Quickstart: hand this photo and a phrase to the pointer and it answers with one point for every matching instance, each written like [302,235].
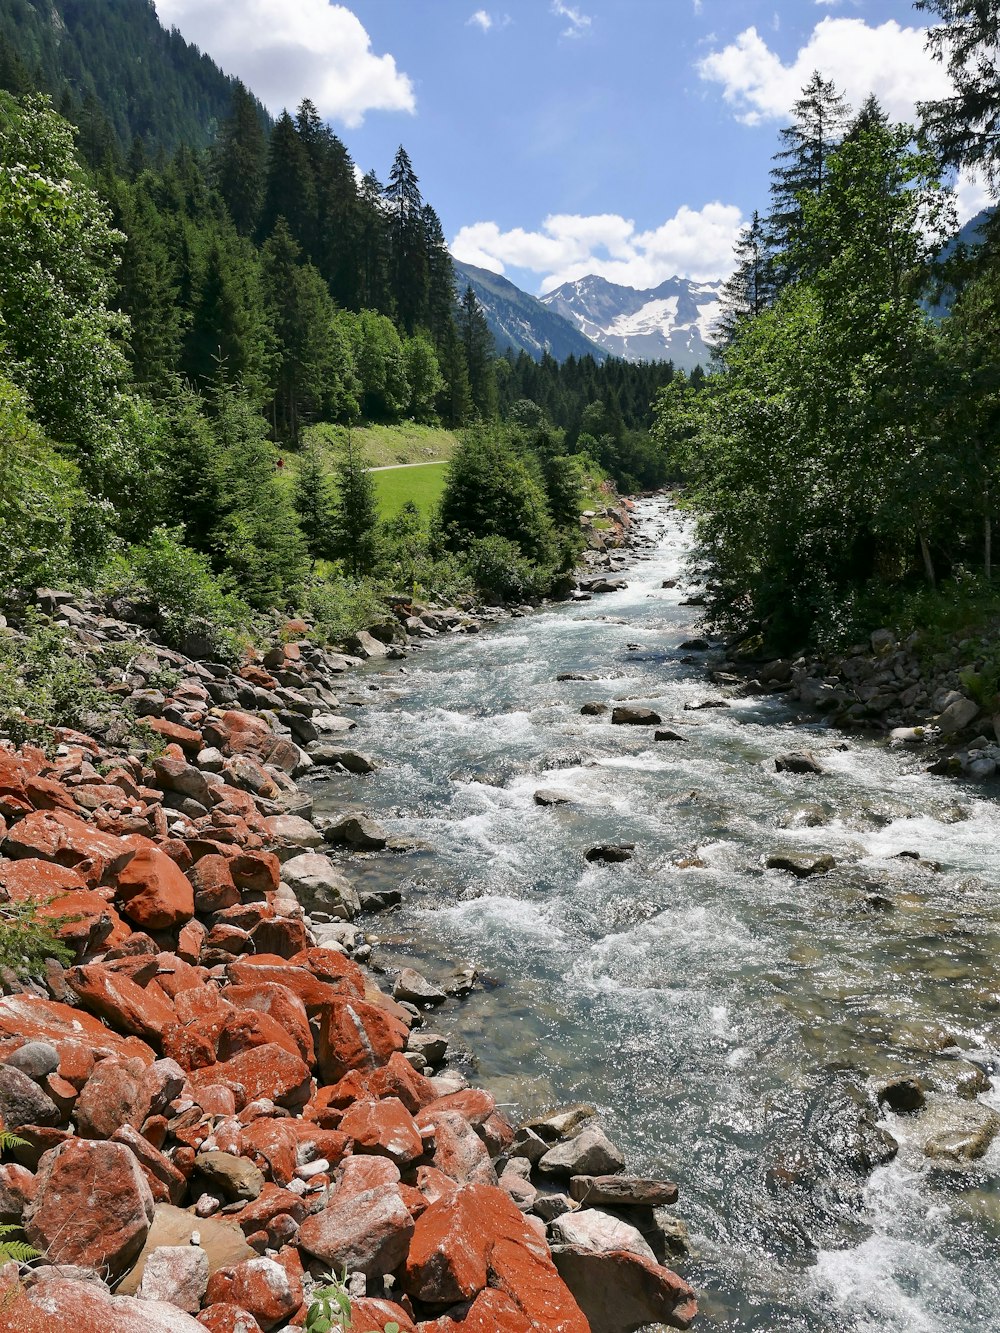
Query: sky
[557,138]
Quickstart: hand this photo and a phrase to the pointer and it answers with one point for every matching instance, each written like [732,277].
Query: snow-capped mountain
[520,321]
[672,322]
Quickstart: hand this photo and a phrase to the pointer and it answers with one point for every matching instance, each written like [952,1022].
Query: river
[730,1022]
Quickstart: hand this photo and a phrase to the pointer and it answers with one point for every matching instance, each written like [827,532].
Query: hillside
[522,322]
[671,322]
[113,69]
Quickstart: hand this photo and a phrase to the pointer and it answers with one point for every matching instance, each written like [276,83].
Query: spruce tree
[290,191]
[440,277]
[355,517]
[477,344]
[316,504]
[750,289]
[407,243]
[373,248]
[241,162]
[965,128]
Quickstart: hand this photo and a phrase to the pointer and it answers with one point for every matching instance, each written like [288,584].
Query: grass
[390,446]
[423,485]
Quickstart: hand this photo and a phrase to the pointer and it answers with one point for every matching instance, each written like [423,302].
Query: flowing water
[729,1021]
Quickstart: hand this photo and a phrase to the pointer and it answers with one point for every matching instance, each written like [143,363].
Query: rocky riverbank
[216,1105]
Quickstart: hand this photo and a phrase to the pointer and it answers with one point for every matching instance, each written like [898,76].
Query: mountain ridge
[520,321]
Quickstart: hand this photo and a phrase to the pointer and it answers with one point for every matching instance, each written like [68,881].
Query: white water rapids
[729,1021]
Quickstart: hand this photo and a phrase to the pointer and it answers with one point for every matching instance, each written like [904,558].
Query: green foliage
[28,940]
[354,530]
[340,606]
[381,366]
[424,376]
[490,492]
[498,569]
[45,682]
[330,1309]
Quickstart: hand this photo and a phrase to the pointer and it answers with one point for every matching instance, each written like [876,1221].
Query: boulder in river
[902,1095]
[961,1131]
[590,1153]
[622,1191]
[627,715]
[801,866]
[552,796]
[611,853]
[416,989]
[798,761]
[352,760]
[667,735]
[593,709]
[358,831]
[621,1292]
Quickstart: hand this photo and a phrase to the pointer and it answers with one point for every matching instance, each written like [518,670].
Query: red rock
[239,733]
[243,1029]
[85,919]
[336,968]
[490,1312]
[31,1019]
[33,880]
[458,1150]
[271,1145]
[620,1291]
[17,1189]
[314,1142]
[355,1035]
[474,1105]
[224,1317]
[285,935]
[113,1095]
[266,1071]
[367,1232]
[256,872]
[186,737]
[281,1004]
[259,1286]
[385,1128]
[47,794]
[120,1002]
[399,1079]
[478,1238]
[434,1184]
[152,889]
[313,993]
[68,841]
[371,1316]
[214,886]
[273,1201]
[92,1206]
[60,1304]
[166,1183]
[355,1175]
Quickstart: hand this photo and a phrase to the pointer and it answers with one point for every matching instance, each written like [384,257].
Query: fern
[18,1251]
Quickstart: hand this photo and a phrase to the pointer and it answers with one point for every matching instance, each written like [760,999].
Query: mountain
[672,322]
[115,71]
[521,321]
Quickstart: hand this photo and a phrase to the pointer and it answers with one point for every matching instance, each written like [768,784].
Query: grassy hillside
[388,446]
[423,485]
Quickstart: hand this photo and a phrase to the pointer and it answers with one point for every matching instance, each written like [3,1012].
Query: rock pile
[217,1106]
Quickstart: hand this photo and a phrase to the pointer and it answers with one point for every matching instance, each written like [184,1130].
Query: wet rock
[359,831]
[666,734]
[622,1293]
[798,761]
[351,760]
[594,709]
[176,1275]
[706,704]
[106,1234]
[552,796]
[411,986]
[957,716]
[960,1131]
[610,853]
[802,867]
[317,882]
[430,1046]
[902,1095]
[628,715]
[562,1123]
[622,1191]
[590,1153]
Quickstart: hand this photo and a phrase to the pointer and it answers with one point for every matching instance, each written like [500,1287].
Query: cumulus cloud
[971,196]
[285,52]
[694,243]
[579,23]
[889,60]
[486,21]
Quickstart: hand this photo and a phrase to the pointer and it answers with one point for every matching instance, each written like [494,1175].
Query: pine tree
[821,117]
[407,248]
[965,128]
[336,241]
[241,162]
[316,505]
[355,519]
[440,277]
[477,344]
[373,248]
[290,191]
[750,289]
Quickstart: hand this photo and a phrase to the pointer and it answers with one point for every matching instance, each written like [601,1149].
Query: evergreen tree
[241,162]
[750,289]
[477,344]
[230,334]
[354,529]
[407,243]
[316,505]
[290,191]
[440,278]
[965,128]
[455,399]
[373,248]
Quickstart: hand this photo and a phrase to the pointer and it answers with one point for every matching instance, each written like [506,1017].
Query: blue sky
[560,137]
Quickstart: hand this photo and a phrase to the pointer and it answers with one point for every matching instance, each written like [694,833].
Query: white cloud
[694,243]
[286,51]
[480,19]
[889,60]
[579,23]
[971,196]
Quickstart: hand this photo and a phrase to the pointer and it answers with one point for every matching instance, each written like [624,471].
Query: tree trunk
[925,551]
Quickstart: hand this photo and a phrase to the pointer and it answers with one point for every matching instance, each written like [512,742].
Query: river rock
[627,715]
[590,1153]
[595,1230]
[611,853]
[594,709]
[367,1232]
[902,1095]
[316,882]
[621,1292]
[358,831]
[801,866]
[552,796]
[961,1131]
[292,834]
[666,734]
[430,1046]
[353,760]
[622,1191]
[562,1123]
[176,1275]
[222,1241]
[798,761]
[22,1101]
[957,716]
[410,985]
[236,1177]
[807,815]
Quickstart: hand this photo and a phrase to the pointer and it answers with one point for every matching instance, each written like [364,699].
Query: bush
[339,607]
[43,684]
[27,942]
[498,569]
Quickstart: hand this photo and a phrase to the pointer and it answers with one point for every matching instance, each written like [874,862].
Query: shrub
[44,684]
[498,569]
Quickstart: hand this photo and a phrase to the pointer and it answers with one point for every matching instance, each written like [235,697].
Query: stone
[224,1317]
[260,1286]
[358,831]
[317,883]
[177,776]
[957,716]
[264,1071]
[357,1035]
[292,834]
[666,734]
[798,761]
[622,1191]
[902,1095]
[120,1002]
[477,1238]
[609,854]
[68,841]
[59,1303]
[236,1177]
[22,1101]
[383,1127]
[630,716]
[34,1058]
[551,796]
[92,1206]
[353,760]
[152,891]
[962,1131]
[372,1315]
[411,986]
[599,1232]
[430,1046]
[367,1233]
[459,1152]
[176,1275]
[802,867]
[167,1184]
[620,1292]
[563,1122]
[25,1017]
[221,1240]
[590,1153]
[113,1095]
